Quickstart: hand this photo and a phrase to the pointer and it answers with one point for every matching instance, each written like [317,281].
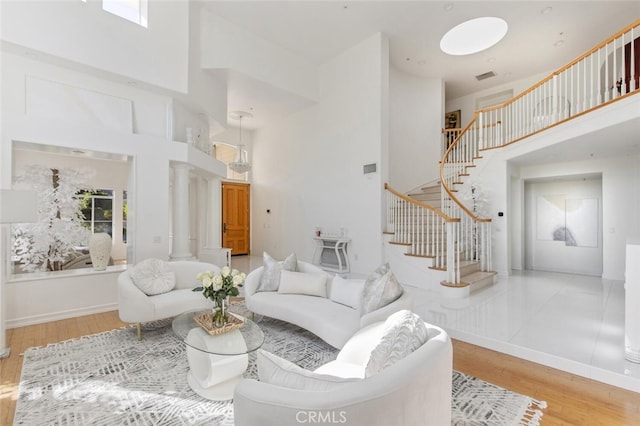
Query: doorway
[235,217]
[563,225]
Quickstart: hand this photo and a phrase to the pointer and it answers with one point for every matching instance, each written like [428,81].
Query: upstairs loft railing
[607,73]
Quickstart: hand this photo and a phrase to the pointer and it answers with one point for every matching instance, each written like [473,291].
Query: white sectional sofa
[415,390]
[333,322]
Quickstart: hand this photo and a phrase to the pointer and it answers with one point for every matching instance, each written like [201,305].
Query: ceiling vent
[486,75]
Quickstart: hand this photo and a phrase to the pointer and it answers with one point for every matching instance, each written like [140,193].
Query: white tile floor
[573,323]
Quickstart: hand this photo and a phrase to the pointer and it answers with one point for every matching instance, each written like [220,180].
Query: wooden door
[235,217]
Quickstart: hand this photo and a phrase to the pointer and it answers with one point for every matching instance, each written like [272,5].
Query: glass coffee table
[216,362]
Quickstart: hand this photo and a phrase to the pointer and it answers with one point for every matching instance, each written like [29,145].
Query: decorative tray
[205,320]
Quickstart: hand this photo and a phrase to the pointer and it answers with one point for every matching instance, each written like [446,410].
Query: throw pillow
[302,283]
[380,289]
[280,372]
[404,332]
[347,292]
[270,279]
[153,276]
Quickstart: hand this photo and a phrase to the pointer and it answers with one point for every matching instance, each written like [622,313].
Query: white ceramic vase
[100,250]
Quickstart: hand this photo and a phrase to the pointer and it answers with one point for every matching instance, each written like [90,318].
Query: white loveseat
[416,390]
[333,322]
[135,306]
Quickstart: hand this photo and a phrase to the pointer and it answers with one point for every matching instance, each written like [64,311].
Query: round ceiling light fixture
[473,36]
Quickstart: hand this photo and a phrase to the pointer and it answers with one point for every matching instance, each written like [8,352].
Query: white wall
[227,46]
[545,254]
[620,202]
[149,152]
[62,123]
[68,294]
[148,110]
[415,111]
[308,167]
[620,197]
[157,54]
[467,104]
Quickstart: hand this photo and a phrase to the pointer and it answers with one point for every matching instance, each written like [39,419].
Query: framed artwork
[452,120]
[574,221]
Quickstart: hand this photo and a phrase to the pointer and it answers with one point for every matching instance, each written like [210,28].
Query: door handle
[224,228]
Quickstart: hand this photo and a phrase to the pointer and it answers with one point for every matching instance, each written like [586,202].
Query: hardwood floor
[571,400]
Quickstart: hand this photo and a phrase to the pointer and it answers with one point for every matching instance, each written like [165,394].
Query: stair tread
[477,276]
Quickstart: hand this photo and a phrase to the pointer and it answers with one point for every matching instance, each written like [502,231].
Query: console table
[332,253]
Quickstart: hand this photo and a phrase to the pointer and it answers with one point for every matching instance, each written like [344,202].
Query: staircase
[431,195]
[417,246]
[434,237]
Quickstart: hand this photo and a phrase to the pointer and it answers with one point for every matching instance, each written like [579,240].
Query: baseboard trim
[60,315]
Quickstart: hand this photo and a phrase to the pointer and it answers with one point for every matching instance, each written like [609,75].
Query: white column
[214,213]
[180,243]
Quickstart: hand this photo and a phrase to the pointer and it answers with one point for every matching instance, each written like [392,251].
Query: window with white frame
[227,154]
[131,10]
[97,209]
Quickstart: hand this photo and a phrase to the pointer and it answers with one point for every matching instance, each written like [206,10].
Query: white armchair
[135,306]
[416,390]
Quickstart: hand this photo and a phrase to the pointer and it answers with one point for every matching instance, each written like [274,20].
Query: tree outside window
[97,210]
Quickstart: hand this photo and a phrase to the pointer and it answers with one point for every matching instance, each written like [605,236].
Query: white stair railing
[602,75]
[425,230]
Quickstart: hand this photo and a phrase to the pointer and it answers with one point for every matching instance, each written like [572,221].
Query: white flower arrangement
[220,286]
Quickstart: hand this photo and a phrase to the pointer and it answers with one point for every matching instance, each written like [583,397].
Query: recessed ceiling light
[448,7]
[547,10]
[473,36]
[558,43]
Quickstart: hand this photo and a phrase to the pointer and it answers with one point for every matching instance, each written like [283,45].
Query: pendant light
[240,164]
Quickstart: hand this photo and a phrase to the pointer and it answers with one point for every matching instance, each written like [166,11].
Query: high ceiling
[539,39]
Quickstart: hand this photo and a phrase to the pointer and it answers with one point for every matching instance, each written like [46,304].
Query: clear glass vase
[220,315]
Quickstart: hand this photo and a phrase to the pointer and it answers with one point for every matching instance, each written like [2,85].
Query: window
[131,10]
[97,209]
[227,154]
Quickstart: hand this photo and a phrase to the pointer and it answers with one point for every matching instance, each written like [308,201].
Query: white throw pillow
[270,278]
[302,283]
[347,292]
[404,332]
[280,372]
[380,289]
[153,276]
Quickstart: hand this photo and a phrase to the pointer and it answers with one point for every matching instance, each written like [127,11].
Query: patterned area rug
[112,378]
